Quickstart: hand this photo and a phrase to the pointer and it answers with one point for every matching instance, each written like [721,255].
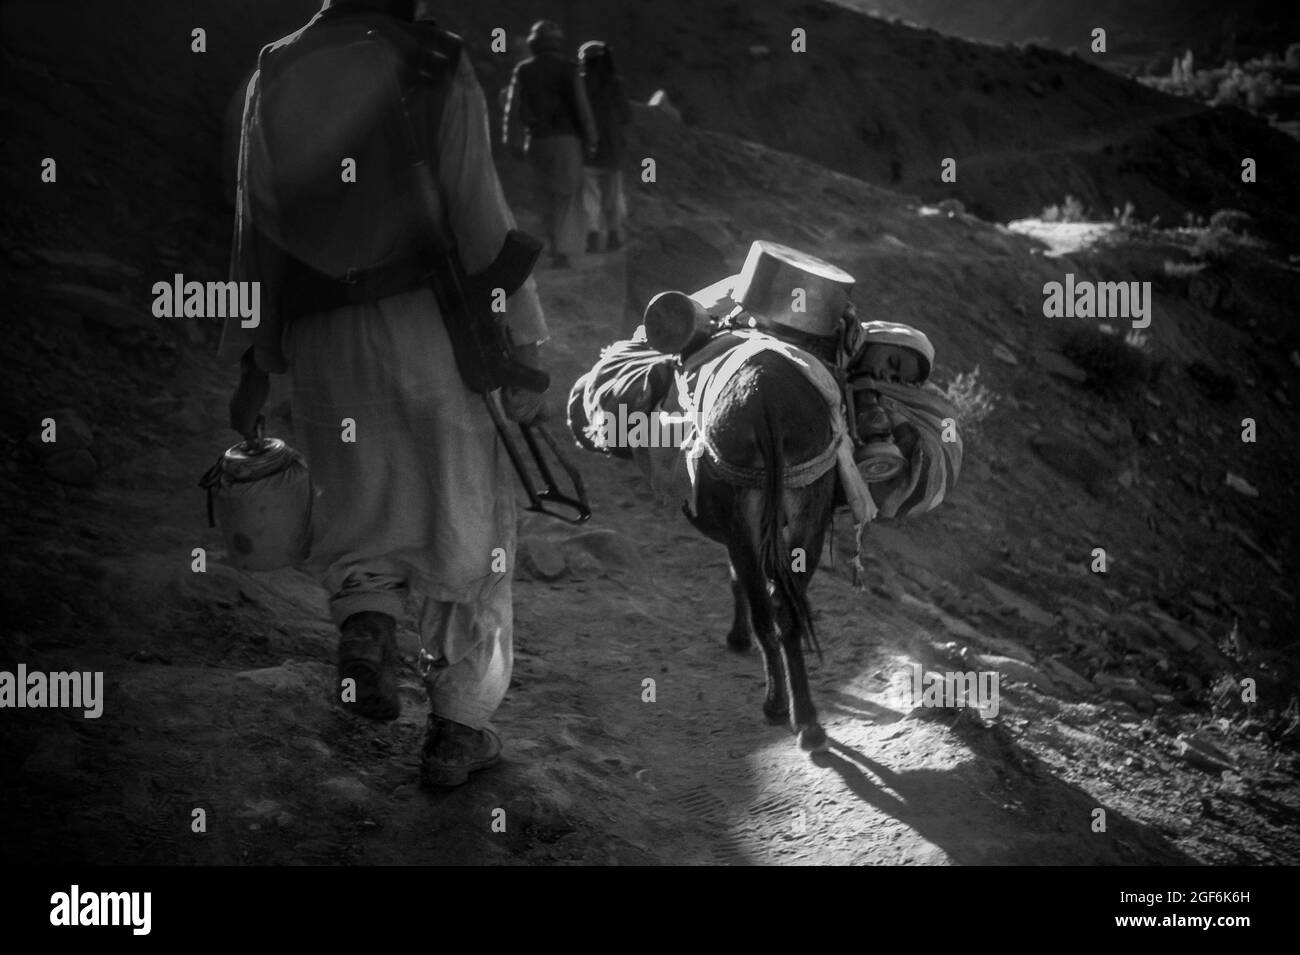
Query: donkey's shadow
[1049,822]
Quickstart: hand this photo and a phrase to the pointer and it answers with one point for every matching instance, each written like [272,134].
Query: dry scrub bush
[971,400]
[1071,210]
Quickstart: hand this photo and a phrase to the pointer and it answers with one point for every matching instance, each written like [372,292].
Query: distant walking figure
[547,100]
[602,197]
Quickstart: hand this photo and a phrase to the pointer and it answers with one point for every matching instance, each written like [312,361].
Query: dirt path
[224,705]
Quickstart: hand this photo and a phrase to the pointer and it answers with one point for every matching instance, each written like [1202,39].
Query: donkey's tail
[774,554]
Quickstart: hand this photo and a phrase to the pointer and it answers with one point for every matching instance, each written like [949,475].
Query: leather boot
[453,750]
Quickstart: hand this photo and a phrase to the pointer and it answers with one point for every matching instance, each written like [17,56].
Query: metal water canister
[876,455]
[675,323]
[259,494]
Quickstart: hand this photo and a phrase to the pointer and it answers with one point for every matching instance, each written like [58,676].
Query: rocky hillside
[1138,32]
[880,101]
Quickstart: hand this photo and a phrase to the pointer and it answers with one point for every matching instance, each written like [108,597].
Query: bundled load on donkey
[759,403]
[661,381]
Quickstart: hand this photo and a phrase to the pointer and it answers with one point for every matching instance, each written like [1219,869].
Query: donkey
[768,417]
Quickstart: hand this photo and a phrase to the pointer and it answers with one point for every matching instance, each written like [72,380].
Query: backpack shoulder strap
[433,60]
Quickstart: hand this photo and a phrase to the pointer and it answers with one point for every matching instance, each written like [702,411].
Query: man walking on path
[414,490]
[548,103]
[603,202]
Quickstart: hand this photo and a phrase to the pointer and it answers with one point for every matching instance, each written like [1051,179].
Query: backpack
[353,196]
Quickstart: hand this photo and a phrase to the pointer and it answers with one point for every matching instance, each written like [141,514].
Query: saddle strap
[798,475]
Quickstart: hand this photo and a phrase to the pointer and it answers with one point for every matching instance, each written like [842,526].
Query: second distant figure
[549,103]
[603,200]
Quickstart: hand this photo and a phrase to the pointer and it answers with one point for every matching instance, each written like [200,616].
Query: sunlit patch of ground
[1062,238]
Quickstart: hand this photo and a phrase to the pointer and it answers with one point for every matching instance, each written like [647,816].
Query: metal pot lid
[794,289]
[251,460]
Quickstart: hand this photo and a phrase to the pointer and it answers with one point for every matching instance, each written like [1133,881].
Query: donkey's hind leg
[738,637]
[753,586]
[809,512]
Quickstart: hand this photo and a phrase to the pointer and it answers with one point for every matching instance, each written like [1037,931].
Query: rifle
[479,337]
[480,340]
[484,355]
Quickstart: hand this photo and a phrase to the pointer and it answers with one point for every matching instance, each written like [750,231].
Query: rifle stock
[479,337]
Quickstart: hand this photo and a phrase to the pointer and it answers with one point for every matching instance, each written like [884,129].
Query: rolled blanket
[629,374]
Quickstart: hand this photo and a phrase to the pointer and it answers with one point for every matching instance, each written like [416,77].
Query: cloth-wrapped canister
[260,495]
